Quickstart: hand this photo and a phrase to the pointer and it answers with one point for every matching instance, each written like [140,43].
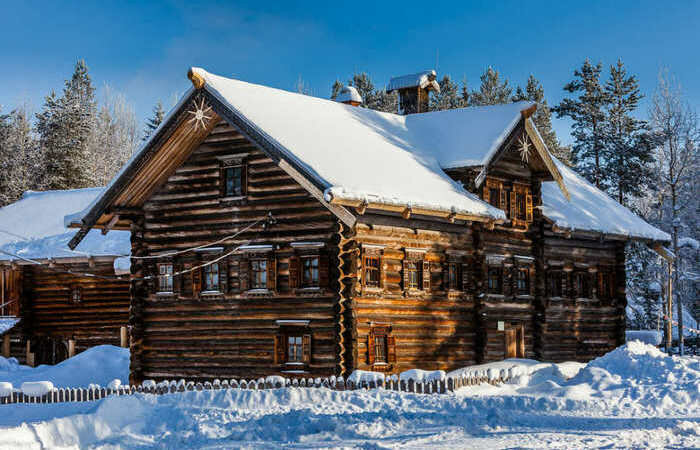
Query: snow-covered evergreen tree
[155,120]
[534,92]
[449,96]
[627,146]
[64,126]
[377,99]
[492,91]
[587,111]
[336,88]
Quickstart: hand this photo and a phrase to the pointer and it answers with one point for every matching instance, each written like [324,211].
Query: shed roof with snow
[344,151]
[33,227]
[422,80]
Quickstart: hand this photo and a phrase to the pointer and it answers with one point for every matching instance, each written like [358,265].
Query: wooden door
[10,292]
[511,343]
[520,341]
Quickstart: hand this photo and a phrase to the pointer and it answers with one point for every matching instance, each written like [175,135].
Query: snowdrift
[97,365]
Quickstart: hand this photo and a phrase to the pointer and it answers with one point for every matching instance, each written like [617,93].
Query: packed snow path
[634,397]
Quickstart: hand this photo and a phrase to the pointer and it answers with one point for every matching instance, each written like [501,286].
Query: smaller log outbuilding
[54,301]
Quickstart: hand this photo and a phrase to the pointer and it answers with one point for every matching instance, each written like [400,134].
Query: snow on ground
[96,365]
[634,397]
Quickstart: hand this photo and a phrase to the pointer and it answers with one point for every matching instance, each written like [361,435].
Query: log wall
[231,333]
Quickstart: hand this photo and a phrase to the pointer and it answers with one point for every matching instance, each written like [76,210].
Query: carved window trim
[294,355]
[494,279]
[381,334]
[76,294]
[372,270]
[165,278]
[416,271]
[250,263]
[305,278]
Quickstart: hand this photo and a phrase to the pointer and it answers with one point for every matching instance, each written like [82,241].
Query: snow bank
[97,365]
[651,337]
[36,388]
[5,389]
[122,265]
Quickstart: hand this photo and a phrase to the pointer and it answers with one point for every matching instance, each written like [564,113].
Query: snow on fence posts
[44,392]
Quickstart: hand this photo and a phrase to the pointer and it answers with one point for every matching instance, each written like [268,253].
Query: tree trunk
[679,304]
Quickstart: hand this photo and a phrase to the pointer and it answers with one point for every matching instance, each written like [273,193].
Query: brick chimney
[349,96]
[414,90]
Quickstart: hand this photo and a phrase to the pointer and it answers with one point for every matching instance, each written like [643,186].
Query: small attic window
[233,180]
[76,294]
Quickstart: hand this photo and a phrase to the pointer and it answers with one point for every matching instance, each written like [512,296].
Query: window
[414,278]
[554,283]
[581,284]
[371,278]
[76,294]
[380,349]
[258,273]
[606,286]
[495,197]
[211,277]
[495,280]
[165,277]
[234,181]
[309,272]
[454,276]
[295,349]
[520,206]
[523,281]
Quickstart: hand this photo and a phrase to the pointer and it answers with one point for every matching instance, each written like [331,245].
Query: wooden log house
[428,239]
[55,302]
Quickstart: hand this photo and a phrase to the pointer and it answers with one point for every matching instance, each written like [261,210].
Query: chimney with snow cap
[414,90]
[349,96]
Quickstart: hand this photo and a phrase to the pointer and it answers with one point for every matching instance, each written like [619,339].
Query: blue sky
[144,49]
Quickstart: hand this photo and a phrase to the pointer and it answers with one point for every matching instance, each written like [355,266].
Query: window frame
[381,354]
[414,276]
[299,348]
[454,276]
[582,284]
[162,276]
[555,281]
[520,290]
[372,268]
[254,282]
[76,291]
[207,270]
[231,165]
[381,333]
[312,282]
[497,270]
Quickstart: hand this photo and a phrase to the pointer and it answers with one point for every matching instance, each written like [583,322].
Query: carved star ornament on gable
[524,148]
[199,114]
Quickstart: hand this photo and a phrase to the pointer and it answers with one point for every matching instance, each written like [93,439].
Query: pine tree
[154,122]
[492,91]
[628,149]
[18,155]
[534,92]
[447,98]
[335,89]
[64,127]
[379,100]
[465,98]
[587,111]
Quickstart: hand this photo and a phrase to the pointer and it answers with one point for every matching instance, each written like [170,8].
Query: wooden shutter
[323,270]
[244,179]
[244,273]
[177,279]
[504,200]
[279,349]
[511,346]
[513,204]
[446,276]
[306,348]
[197,281]
[405,274]
[271,272]
[152,283]
[294,272]
[223,276]
[466,271]
[391,349]
[426,276]
[486,192]
[528,206]
[370,348]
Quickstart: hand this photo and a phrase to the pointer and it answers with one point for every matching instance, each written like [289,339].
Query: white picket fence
[448,384]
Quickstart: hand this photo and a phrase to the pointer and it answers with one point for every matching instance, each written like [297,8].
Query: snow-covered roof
[590,209]
[34,227]
[348,94]
[396,154]
[421,79]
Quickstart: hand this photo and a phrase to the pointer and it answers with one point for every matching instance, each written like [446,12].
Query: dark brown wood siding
[233,333]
